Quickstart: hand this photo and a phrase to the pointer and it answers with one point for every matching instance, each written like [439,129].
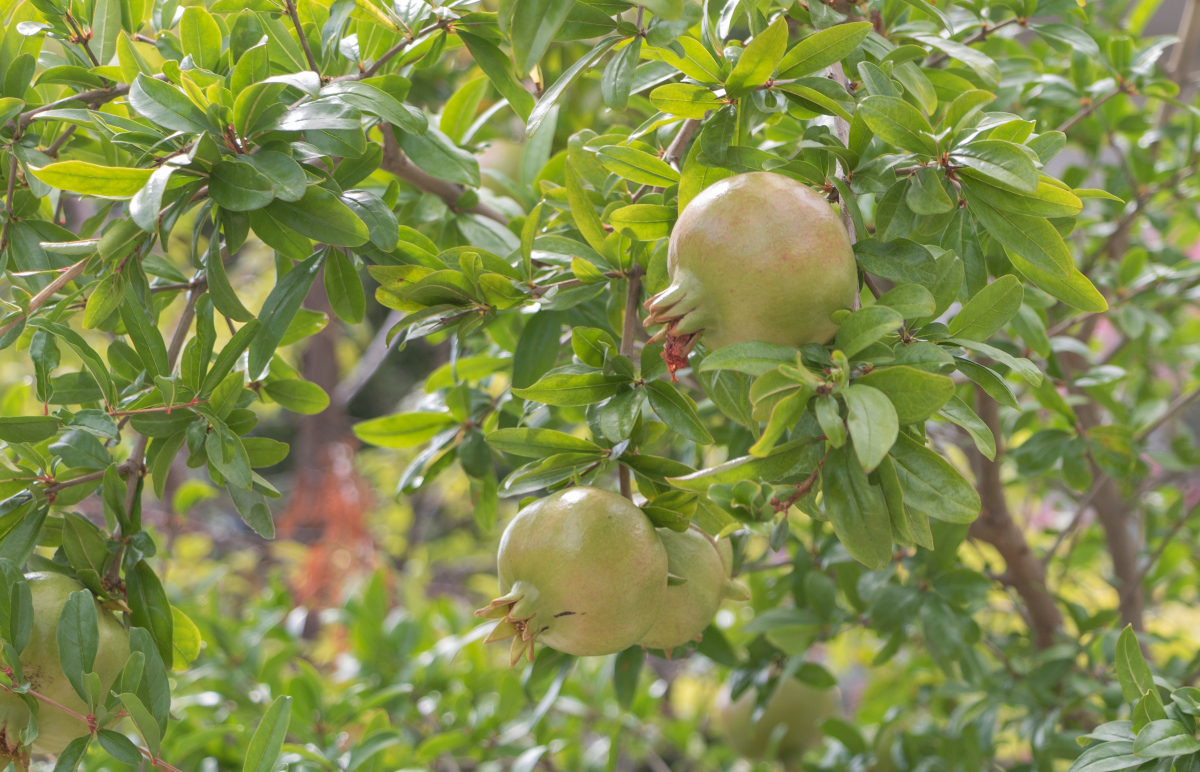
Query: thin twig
[52,151]
[394,50]
[1179,404]
[1084,503]
[68,274]
[628,335]
[1089,109]
[979,36]
[295,17]
[8,202]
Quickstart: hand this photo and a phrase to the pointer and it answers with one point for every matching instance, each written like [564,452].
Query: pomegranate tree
[581,570]
[755,256]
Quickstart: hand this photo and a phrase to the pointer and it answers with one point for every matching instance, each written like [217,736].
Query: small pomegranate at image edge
[797,706]
[705,566]
[582,571]
[756,256]
[43,671]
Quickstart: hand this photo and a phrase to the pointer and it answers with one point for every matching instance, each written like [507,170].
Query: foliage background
[360,611]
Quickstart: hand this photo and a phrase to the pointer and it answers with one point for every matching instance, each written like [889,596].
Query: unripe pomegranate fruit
[691,606]
[44,673]
[582,571]
[755,256]
[797,706]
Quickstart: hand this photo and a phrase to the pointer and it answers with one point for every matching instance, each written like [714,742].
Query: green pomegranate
[582,571]
[799,707]
[691,606]
[43,671]
[756,256]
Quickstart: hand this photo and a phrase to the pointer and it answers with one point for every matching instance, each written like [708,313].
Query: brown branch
[1080,509]
[8,204]
[978,37]
[52,151]
[674,152]
[308,54]
[1173,410]
[995,525]
[1158,553]
[393,51]
[94,97]
[397,163]
[628,336]
[1088,109]
[68,274]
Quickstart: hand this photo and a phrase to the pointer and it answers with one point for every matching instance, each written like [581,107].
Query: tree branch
[995,525]
[675,151]
[308,54]
[628,335]
[397,163]
[1089,109]
[70,273]
[981,35]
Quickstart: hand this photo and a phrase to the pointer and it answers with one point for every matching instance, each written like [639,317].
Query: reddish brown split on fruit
[754,257]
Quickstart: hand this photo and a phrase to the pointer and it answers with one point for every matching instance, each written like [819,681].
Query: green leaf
[298,395]
[1032,238]
[866,326]
[696,62]
[582,210]
[983,65]
[821,49]
[617,79]
[281,306]
[872,422]
[186,641]
[989,381]
[106,26]
[268,737]
[550,97]
[83,544]
[759,59]
[897,122]
[532,28]
[677,411]
[403,430]
[78,639]
[1073,288]
[1132,670]
[856,509]
[437,154]
[899,260]
[376,101]
[637,166]
[931,485]
[223,365]
[911,301]
[499,71]
[200,37]
[344,288]
[684,100]
[90,358]
[239,187]
[321,216]
[166,105]
[1047,200]
[1163,738]
[145,723]
[93,179]
[646,222]
[119,747]
[1001,161]
[992,307]
[70,756]
[959,412]
[28,428]
[752,358]
[573,389]
[539,443]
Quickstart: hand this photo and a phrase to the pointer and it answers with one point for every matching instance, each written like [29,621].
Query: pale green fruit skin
[591,569]
[768,259]
[689,607]
[800,707]
[43,671]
